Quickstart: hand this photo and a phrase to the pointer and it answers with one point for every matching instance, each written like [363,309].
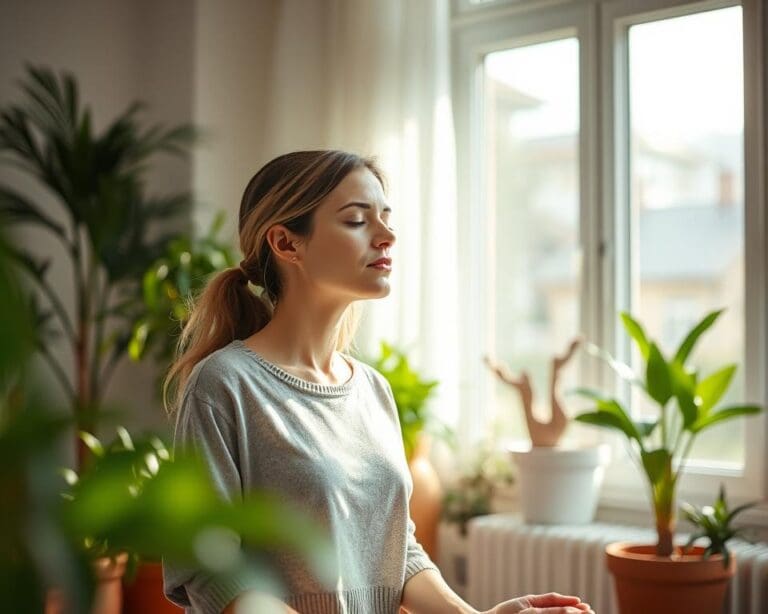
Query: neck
[303,333]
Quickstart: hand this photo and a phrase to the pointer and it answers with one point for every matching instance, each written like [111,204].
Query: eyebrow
[386,209]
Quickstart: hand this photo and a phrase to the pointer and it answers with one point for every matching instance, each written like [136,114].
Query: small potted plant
[558,484]
[411,392]
[468,495]
[713,523]
[659,578]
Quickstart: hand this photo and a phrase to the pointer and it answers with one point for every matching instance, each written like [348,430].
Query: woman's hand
[551,603]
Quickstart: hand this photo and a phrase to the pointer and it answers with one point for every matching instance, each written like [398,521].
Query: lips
[380,261]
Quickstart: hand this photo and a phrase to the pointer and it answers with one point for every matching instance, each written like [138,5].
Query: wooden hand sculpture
[542,434]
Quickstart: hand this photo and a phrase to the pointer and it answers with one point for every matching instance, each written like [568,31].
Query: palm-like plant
[98,180]
[714,524]
[686,408]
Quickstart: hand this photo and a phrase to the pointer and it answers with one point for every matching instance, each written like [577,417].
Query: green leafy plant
[168,285]
[714,524]
[409,390]
[98,181]
[687,406]
[472,493]
[131,496]
[134,497]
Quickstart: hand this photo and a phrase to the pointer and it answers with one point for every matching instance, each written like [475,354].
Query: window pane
[687,195]
[531,156]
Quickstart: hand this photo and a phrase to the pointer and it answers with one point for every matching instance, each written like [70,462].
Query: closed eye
[361,223]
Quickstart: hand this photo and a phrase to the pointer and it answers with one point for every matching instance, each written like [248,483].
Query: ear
[286,245]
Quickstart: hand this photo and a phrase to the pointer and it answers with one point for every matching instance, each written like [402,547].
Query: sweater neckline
[302,384]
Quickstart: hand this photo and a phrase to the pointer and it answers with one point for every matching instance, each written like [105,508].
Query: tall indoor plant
[98,181]
[687,405]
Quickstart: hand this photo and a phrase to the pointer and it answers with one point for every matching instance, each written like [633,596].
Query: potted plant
[110,230]
[135,501]
[713,523]
[557,484]
[665,579]
[411,393]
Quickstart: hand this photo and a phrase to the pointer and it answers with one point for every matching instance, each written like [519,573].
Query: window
[687,195]
[602,168]
[531,139]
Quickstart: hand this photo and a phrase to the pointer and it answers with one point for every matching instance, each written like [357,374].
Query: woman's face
[351,231]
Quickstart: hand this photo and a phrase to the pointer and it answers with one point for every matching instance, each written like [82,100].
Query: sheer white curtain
[372,76]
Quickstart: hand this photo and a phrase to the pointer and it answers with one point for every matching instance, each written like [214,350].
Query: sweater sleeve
[416,559]
[205,429]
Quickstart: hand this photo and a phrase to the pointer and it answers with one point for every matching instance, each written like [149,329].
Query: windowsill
[636,511]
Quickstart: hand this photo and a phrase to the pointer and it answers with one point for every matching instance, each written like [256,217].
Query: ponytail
[225,310]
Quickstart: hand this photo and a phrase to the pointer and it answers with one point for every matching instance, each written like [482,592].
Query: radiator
[506,559]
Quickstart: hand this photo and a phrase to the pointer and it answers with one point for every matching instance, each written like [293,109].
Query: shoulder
[215,378]
[373,378]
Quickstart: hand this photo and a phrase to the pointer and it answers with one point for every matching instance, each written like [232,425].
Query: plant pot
[681,583]
[144,593]
[426,498]
[108,597]
[560,485]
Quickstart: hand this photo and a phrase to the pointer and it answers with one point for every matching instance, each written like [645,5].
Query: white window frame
[480,29]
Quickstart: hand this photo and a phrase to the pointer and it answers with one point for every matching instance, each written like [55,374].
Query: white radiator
[508,559]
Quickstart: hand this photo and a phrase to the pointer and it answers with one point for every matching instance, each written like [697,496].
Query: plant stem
[58,308]
[96,357]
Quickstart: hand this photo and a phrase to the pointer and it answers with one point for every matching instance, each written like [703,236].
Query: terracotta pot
[108,598]
[144,593]
[426,498]
[681,583]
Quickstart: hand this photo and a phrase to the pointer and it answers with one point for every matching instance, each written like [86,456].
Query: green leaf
[690,341]
[646,426]
[656,463]
[611,414]
[637,333]
[658,378]
[17,209]
[712,388]
[684,387]
[94,445]
[708,420]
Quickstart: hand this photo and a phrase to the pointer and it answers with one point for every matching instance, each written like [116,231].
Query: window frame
[602,29]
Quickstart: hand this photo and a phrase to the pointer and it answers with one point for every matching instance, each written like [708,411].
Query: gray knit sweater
[333,449]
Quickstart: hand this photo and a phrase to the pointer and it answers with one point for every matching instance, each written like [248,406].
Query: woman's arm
[253,602]
[427,593]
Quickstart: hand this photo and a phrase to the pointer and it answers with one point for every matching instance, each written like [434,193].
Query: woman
[267,395]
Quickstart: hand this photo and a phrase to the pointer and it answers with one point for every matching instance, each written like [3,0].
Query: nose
[385,237]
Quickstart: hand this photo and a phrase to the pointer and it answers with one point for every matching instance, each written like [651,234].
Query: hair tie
[243,275]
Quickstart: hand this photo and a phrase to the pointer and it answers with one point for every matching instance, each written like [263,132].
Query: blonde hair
[285,191]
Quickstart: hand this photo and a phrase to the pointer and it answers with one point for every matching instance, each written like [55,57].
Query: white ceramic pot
[560,485]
